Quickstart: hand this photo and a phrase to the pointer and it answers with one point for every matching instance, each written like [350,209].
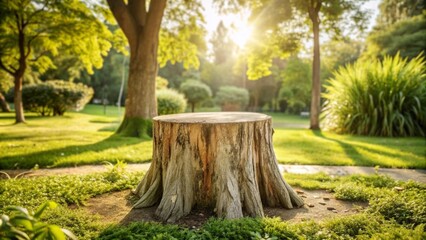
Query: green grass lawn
[303,146]
[73,139]
[87,138]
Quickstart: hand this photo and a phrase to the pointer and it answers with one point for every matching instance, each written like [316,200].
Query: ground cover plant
[88,138]
[396,209]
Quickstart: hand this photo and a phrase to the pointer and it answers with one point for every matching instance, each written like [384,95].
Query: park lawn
[87,138]
[70,140]
[307,147]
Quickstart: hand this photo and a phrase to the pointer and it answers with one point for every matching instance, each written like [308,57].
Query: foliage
[85,226]
[296,84]
[359,226]
[231,229]
[222,44]
[170,101]
[161,83]
[22,224]
[195,92]
[404,37]
[385,98]
[405,207]
[70,22]
[230,95]
[392,11]
[337,53]
[71,189]
[107,81]
[146,230]
[55,97]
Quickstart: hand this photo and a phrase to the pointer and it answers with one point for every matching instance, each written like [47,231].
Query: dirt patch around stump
[319,205]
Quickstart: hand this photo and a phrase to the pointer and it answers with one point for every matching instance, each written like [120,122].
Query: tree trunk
[19,108]
[316,82]
[141,104]
[3,104]
[224,161]
[141,26]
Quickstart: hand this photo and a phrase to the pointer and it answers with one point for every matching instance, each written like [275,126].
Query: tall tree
[392,11]
[400,27]
[222,45]
[140,21]
[33,31]
[328,13]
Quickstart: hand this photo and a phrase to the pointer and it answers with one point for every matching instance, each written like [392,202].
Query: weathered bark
[3,104]
[223,161]
[316,80]
[141,27]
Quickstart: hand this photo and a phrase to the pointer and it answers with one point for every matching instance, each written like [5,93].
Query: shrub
[376,98]
[55,97]
[284,96]
[195,92]
[161,83]
[232,98]
[170,101]
[296,106]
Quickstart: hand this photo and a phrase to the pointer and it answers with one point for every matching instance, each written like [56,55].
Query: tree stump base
[224,161]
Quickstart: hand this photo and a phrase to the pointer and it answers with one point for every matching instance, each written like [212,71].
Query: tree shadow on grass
[350,151]
[50,157]
[358,158]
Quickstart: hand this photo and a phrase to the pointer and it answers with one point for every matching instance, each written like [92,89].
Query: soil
[117,208]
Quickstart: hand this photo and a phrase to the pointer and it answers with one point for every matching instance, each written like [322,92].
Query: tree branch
[29,43]
[124,19]
[138,10]
[39,56]
[155,16]
[5,68]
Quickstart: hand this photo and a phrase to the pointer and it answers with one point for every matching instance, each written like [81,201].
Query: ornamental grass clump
[378,98]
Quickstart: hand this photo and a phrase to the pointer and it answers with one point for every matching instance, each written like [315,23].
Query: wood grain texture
[224,161]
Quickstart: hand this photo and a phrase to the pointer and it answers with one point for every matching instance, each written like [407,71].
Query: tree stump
[224,161]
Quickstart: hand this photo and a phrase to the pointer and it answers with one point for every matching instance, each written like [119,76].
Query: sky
[213,18]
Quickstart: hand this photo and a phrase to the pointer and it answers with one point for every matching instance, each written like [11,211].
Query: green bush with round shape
[232,98]
[170,101]
[296,106]
[378,98]
[55,97]
[195,92]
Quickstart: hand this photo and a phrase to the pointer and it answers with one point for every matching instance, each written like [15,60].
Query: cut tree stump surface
[224,161]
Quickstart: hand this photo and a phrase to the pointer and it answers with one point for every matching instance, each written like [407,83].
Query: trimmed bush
[161,83]
[376,98]
[195,92]
[296,107]
[55,97]
[170,101]
[232,98]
